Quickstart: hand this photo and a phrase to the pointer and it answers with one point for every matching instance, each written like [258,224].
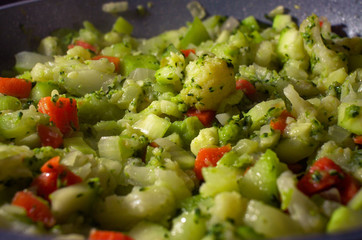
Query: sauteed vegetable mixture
[221,129]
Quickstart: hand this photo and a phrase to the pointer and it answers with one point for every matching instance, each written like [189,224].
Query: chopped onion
[140,74]
[223,118]
[196,9]
[115,7]
[278,10]
[230,24]
[338,134]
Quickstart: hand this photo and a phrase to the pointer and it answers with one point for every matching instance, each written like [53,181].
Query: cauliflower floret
[208,81]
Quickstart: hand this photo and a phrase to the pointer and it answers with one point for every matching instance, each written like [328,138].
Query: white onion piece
[196,9]
[230,24]
[223,118]
[338,134]
[115,7]
[141,74]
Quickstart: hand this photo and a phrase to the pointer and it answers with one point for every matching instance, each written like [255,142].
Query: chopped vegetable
[206,117]
[324,174]
[50,136]
[280,123]
[36,209]
[246,87]
[84,45]
[118,138]
[208,157]
[114,60]
[15,87]
[53,176]
[62,112]
[107,235]
[187,52]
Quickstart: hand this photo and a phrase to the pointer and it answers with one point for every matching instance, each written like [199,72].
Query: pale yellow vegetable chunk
[208,81]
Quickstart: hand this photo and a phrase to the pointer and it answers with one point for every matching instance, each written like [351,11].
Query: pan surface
[23,24]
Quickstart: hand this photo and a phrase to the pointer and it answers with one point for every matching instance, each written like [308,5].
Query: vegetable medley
[221,129]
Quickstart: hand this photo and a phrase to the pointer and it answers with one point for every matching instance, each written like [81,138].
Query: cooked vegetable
[221,129]
[15,87]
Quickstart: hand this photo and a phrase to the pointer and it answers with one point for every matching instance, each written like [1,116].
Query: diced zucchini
[282,21]
[21,123]
[116,50]
[188,129]
[9,103]
[270,221]
[260,111]
[12,164]
[189,225]
[350,116]
[259,182]
[356,202]
[79,144]
[70,200]
[300,207]
[152,126]
[195,35]
[251,23]
[290,45]
[184,158]
[344,219]
[118,148]
[131,62]
[43,89]
[122,26]
[219,179]
[154,203]
[147,230]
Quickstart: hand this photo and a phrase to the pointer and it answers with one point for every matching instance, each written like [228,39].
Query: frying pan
[23,24]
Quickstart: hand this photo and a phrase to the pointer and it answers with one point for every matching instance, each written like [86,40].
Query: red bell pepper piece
[280,123]
[50,136]
[186,52]
[62,111]
[246,86]
[206,117]
[15,87]
[209,157]
[36,209]
[108,235]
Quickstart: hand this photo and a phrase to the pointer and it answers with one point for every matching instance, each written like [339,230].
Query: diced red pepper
[50,136]
[246,86]
[154,144]
[280,123]
[206,117]
[358,140]
[53,176]
[108,235]
[186,52]
[15,87]
[45,184]
[209,157]
[348,187]
[36,209]
[84,45]
[325,174]
[62,111]
[52,165]
[115,60]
